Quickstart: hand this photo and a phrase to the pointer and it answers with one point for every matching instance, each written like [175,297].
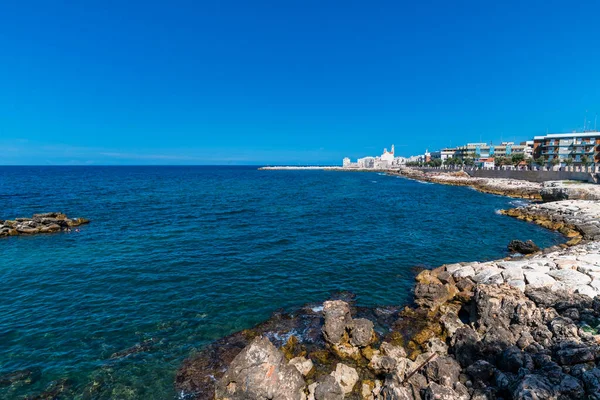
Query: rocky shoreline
[504,187]
[526,327]
[39,223]
[547,191]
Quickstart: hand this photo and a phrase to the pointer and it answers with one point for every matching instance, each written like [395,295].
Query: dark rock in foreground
[462,341]
[39,223]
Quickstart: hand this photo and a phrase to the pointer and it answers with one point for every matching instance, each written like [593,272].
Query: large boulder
[260,372]
[346,377]
[533,387]
[591,380]
[433,295]
[444,370]
[327,388]
[361,332]
[337,319]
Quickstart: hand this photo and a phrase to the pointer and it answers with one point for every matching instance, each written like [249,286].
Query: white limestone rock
[587,290]
[485,275]
[346,377]
[595,284]
[518,283]
[586,268]
[570,277]
[593,259]
[566,264]
[537,268]
[451,268]
[302,364]
[513,273]
[464,272]
[538,279]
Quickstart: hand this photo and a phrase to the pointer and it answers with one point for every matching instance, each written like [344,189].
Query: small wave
[518,203]
[282,337]
[373,181]
[498,212]
[317,309]
[422,182]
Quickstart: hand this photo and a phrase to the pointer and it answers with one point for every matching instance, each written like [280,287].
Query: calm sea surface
[176,257]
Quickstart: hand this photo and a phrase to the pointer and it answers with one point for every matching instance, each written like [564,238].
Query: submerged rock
[23,377]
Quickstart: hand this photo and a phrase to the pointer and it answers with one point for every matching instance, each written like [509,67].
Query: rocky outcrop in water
[39,223]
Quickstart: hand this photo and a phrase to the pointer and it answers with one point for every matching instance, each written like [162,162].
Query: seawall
[534,176]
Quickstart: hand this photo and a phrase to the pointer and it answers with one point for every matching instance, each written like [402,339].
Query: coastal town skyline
[289,83]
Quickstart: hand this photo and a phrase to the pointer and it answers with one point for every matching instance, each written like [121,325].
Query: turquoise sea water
[176,257]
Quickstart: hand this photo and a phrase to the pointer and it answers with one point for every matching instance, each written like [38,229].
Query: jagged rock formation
[39,223]
[481,342]
[260,371]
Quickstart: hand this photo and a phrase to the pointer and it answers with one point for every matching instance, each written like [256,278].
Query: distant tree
[585,160]
[517,158]
[569,162]
[499,161]
[453,161]
[555,160]
[540,161]
[469,161]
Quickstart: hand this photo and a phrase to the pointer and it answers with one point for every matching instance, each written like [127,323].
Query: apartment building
[578,148]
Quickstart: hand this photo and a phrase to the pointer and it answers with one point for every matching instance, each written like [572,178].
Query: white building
[386,160]
[398,161]
[388,155]
[366,162]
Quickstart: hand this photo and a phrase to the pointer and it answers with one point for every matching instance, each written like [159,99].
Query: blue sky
[287,82]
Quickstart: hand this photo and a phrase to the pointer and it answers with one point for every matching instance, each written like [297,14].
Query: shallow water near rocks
[176,257]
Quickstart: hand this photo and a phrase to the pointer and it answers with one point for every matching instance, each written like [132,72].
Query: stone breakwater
[504,187]
[39,223]
[547,191]
[519,328]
